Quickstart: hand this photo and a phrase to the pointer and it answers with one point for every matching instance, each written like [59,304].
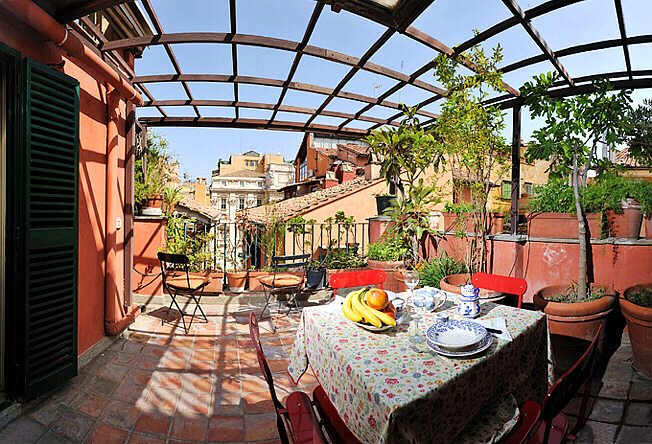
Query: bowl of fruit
[370,308]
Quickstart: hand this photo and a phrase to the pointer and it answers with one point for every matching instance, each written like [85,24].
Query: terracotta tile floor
[158,385]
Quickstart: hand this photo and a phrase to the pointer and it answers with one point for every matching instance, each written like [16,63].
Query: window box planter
[561,225]
[573,325]
[628,223]
[639,326]
[236,280]
[383,202]
[495,224]
[153,205]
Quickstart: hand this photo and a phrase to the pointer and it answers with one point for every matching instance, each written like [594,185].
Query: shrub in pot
[432,272]
[573,319]
[636,306]
[388,252]
[384,201]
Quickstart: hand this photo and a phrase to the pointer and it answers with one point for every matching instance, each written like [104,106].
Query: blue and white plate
[436,298]
[456,335]
[482,346]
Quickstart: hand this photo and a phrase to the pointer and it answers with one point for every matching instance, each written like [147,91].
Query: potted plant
[552,211]
[469,132]
[434,271]
[150,179]
[384,201]
[636,305]
[625,200]
[388,252]
[575,127]
[316,276]
[237,280]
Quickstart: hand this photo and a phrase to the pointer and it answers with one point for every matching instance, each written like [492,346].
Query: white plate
[399,301]
[484,344]
[456,335]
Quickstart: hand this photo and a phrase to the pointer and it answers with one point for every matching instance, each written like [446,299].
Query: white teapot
[469,302]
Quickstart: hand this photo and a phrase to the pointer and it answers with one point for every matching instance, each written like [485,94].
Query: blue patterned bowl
[456,335]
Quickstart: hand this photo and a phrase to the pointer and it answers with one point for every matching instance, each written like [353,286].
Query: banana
[361,307]
[384,317]
[348,310]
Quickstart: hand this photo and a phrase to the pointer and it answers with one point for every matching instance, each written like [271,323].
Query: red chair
[357,279]
[503,284]
[296,418]
[553,426]
[335,427]
[529,414]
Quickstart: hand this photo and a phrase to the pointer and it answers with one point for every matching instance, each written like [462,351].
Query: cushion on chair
[282,280]
[181,282]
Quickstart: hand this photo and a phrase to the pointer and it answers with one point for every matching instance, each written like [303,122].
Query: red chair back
[331,420]
[563,390]
[254,333]
[357,279]
[503,284]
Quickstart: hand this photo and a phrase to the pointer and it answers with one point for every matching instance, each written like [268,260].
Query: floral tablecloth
[386,392]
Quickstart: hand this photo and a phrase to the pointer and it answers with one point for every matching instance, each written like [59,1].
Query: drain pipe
[42,22]
[116,315]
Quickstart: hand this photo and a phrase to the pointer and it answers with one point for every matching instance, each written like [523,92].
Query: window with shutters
[506,189]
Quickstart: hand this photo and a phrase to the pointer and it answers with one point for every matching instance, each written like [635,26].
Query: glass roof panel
[332,28]
[148,111]
[381,112]
[345,105]
[197,16]
[286,21]
[257,93]
[582,64]
[516,45]
[640,56]
[253,113]
[202,58]
[211,90]
[453,21]
[369,84]
[360,124]
[291,117]
[582,22]
[179,111]
[638,16]
[302,98]
[412,55]
[328,120]
[167,91]
[154,61]
[217,111]
[316,71]
[410,95]
[518,77]
[264,62]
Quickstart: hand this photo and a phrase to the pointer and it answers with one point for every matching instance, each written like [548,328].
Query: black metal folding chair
[284,282]
[176,285]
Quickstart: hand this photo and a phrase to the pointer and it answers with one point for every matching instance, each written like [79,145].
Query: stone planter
[561,225]
[639,326]
[494,224]
[628,223]
[236,280]
[383,202]
[572,325]
[254,276]
[453,283]
[153,205]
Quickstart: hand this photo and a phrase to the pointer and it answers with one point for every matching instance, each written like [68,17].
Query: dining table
[388,389]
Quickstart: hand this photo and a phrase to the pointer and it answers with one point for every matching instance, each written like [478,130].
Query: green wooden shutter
[51,136]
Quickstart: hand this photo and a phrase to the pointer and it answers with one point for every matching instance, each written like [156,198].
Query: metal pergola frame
[397,21]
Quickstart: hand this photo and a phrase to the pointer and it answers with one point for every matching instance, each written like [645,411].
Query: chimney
[330,180]
[371,171]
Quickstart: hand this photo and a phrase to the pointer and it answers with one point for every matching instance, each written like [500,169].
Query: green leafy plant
[390,247]
[572,295]
[640,133]
[469,132]
[433,271]
[171,196]
[573,129]
[195,245]
[642,297]
[341,259]
[151,180]
[611,189]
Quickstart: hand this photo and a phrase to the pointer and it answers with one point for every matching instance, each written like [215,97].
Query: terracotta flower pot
[153,205]
[648,228]
[237,280]
[628,223]
[573,325]
[561,225]
[453,283]
[639,325]
[384,265]
[254,276]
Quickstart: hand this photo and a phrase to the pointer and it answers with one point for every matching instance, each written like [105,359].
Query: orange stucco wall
[92,175]
[149,236]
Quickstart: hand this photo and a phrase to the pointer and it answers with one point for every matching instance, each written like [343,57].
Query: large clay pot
[237,281]
[384,265]
[573,326]
[561,225]
[648,228]
[454,282]
[153,205]
[639,326]
[628,223]
[254,276]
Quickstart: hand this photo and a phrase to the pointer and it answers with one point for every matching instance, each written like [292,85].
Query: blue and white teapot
[469,302]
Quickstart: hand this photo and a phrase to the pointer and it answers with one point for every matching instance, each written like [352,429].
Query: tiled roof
[624,158]
[464,176]
[206,210]
[328,152]
[295,206]
[243,173]
[355,148]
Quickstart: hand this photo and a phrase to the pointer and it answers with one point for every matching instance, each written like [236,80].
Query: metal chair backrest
[254,333]
[563,390]
[503,284]
[357,279]
[174,259]
[298,262]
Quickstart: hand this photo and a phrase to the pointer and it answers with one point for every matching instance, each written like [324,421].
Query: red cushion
[282,280]
[181,282]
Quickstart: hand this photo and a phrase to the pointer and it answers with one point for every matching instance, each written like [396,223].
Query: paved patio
[158,385]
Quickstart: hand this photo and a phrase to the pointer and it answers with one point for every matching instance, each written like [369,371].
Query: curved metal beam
[221,78]
[267,42]
[221,122]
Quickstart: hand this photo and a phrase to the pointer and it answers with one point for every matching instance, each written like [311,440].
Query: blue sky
[450,21]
